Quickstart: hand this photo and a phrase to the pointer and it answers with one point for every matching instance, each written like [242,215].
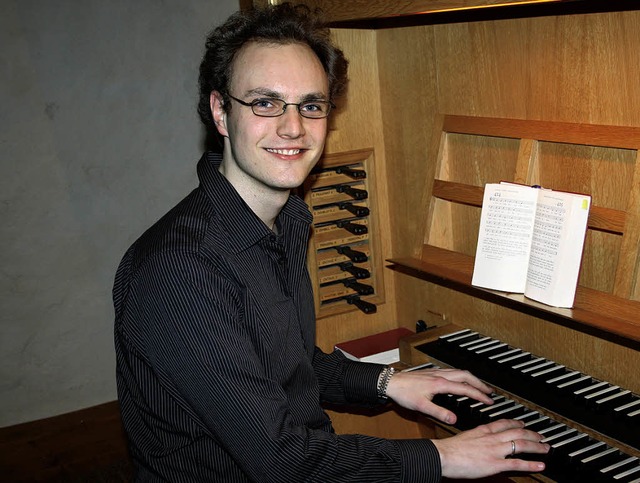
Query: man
[218,375]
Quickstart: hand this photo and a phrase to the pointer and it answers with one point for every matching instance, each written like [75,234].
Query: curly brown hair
[279,24]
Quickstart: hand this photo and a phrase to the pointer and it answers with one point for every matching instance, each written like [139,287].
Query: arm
[344,381]
[194,334]
[476,453]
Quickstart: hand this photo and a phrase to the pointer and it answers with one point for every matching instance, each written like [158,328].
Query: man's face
[267,154]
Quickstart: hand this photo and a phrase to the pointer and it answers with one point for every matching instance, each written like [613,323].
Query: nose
[290,124]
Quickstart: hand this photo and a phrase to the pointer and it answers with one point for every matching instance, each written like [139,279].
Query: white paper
[504,243]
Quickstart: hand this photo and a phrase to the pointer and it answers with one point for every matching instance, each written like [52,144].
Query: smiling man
[218,375]
[275,134]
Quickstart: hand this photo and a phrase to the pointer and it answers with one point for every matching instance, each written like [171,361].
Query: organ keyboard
[593,426]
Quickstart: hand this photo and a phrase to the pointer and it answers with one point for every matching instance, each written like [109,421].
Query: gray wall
[98,138]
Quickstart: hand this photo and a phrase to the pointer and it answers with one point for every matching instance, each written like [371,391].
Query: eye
[314,106]
[264,104]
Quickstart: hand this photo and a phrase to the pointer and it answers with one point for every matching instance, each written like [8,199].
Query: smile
[286,152]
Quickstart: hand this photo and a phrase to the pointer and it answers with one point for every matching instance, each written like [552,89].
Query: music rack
[473,151]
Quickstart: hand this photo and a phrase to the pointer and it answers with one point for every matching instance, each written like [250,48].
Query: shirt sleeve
[189,333]
[344,381]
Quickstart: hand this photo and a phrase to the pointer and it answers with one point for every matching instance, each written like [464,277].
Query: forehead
[292,70]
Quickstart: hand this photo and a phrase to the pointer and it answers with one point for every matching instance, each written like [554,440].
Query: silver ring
[513,447]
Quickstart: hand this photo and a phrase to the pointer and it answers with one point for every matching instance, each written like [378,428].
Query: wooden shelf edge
[594,312]
[378,14]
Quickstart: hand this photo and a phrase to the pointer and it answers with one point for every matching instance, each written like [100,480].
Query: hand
[483,451]
[415,390]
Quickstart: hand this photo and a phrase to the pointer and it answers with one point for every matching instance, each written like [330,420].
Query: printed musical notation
[530,241]
[508,226]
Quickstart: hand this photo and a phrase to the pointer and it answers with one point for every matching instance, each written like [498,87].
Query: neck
[266,203]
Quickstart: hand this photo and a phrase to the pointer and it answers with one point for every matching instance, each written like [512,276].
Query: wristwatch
[383,381]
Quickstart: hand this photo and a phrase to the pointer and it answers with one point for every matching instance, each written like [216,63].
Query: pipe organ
[447,96]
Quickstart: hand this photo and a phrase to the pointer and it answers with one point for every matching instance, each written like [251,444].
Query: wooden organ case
[448,95]
[591,423]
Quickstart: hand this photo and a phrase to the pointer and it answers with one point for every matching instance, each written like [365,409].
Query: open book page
[504,239]
[556,251]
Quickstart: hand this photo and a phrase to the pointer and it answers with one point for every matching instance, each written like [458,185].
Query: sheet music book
[531,241]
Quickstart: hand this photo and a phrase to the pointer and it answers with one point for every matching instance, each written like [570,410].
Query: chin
[291,180]
[284,186]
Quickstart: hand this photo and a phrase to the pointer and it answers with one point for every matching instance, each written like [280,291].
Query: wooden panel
[560,132]
[458,192]
[627,281]
[355,126]
[360,48]
[600,218]
[594,304]
[601,311]
[327,233]
[338,10]
[573,68]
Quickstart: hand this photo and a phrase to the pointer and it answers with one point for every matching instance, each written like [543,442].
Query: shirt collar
[243,226]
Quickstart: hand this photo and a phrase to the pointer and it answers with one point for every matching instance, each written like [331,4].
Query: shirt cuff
[420,461]
[361,382]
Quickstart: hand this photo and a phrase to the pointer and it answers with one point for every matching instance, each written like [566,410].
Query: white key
[559,435]
[600,393]
[627,406]
[547,371]
[618,464]
[588,389]
[506,353]
[594,457]
[453,334]
[564,376]
[585,449]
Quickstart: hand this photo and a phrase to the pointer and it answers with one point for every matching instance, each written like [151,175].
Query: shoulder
[181,230]
[177,239]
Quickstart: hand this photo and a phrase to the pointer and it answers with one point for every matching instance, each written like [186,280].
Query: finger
[512,448]
[460,376]
[528,446]
[502,425]
[462,389]
[515,464]
[468,378]
[520,446]
[438,412]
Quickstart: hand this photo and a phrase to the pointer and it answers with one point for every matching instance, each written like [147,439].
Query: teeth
[287,152]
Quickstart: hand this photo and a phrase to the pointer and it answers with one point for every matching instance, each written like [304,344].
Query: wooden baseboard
[83,446]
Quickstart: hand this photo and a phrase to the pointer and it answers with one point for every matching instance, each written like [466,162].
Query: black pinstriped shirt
[218,375]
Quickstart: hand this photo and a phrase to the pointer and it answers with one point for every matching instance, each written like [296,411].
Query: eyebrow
[264,92]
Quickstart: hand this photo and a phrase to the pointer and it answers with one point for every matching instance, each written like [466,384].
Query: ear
[216,104]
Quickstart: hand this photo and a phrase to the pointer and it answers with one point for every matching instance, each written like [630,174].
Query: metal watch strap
[383,381]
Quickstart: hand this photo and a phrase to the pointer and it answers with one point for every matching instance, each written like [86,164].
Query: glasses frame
[284,106]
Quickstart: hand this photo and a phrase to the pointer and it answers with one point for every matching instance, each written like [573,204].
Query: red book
[381,348]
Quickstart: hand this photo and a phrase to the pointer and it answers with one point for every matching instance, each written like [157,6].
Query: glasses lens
[315,109]
[276,107]
[267,107]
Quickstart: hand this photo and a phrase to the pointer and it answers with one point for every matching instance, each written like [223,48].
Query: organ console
[353,255]
[592,426]
[356,210]
[360,288]
[351,172]
[343,216]
[355,193]
[357,272]
[447,97]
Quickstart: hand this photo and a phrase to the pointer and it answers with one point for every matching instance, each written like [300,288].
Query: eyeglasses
[273,107]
